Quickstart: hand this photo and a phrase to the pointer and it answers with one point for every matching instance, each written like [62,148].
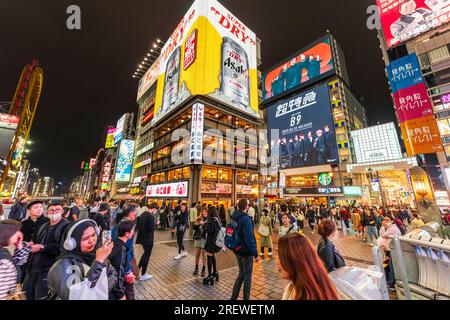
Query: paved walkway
[173,279]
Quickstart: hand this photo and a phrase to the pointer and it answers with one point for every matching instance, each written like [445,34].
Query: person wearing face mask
[326,250]
[34,221]
[45,249]
[83,271]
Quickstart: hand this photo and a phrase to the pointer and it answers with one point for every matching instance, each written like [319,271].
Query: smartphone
[106,235]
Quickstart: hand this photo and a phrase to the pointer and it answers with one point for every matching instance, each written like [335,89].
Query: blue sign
[404,73]
[306,130]
[125,161]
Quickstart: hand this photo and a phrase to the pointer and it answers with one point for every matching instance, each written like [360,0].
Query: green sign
[325,179]
[86,166]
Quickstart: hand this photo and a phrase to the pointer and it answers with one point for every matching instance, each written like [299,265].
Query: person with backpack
[265,232]
[212,229]
[241,239]
[45,250]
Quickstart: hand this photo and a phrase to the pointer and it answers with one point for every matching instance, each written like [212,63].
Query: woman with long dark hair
[212,228]
[299,263]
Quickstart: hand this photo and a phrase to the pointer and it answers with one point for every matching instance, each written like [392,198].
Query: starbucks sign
[325,179]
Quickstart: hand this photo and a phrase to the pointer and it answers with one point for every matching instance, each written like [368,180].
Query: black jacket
[182,218]
[329,255]
[118,259]
[29,227]
[146,232]
[50,237]
[102,221]
[18,211]
[212,228]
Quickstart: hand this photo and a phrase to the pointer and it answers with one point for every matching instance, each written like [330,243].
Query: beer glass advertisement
[403,20]
[125,161]
[306,130]
[300,70]
[212,53]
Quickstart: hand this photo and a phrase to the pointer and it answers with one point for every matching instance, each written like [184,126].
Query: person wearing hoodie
[247,252]
[388,229]
[78,272]
[45,249]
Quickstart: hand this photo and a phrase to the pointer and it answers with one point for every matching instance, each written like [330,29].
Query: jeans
[372,233]
[143,263]
[180,238]
[245,275]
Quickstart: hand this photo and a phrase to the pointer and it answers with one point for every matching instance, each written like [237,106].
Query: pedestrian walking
[146,238]
[199,236]
[246,250]
[299,263]
[101,217]
[193,215]
[212,228]
[182,222]
[310,216]
[265,232]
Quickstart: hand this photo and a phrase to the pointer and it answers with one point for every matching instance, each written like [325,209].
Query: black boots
[216,276]
[208,280]
[203,272]
[196,270]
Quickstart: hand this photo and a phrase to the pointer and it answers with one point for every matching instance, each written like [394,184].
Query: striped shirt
[8,278]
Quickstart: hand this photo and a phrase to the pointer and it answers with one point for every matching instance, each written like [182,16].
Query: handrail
[427,243]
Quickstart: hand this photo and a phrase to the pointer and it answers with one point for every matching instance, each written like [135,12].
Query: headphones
[70,243]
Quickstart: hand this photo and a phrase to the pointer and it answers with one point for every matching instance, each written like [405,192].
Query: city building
[188,99]
[311,104]
[43,187]
[417,60]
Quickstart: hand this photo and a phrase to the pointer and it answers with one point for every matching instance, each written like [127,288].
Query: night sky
[87,73]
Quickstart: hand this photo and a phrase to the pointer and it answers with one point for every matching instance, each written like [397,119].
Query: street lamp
[156,46]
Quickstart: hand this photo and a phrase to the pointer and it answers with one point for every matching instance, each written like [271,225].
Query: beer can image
[235,78]
[171,81]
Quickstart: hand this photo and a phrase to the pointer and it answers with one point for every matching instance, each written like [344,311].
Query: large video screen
[403,20]
[300,70]
[306,131]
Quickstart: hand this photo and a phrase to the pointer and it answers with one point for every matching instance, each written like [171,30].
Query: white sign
[244,189]
[376,144]
[168,190]
[118,134]
[352,191]
[148,79]
[198,116]
[125,160]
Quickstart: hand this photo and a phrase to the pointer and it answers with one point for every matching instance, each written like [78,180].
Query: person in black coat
[34,221]
[101,217]
[118,258]
[19,209]
[328,253]
[212,228]
[182,219]
[146,237]
[45,251]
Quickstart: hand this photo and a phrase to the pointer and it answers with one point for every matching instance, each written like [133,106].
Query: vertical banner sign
[109,141]
[190,50]
[92,163]
[125,161]
[413,107]
[196,148]
[106,174]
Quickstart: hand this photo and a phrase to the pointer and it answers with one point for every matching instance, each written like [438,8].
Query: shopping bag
[83,291]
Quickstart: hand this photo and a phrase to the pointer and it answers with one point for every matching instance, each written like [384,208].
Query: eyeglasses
[54,210]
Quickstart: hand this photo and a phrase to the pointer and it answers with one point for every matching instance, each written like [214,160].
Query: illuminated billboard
[404,20]
[303,68]
[124,161]
[149,78]
[118,134]
[421,135]
[8,126]
[306,130]
[212,53]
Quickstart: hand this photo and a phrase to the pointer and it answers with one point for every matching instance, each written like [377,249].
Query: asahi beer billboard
[213,53]
[306,130]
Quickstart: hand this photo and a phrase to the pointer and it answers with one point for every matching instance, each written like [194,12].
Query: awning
[121,196]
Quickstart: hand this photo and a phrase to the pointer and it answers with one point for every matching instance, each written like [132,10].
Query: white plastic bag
[83,290]
[356,283]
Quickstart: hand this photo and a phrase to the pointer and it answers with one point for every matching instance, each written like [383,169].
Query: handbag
[182,227]
[197,233]
[263,230]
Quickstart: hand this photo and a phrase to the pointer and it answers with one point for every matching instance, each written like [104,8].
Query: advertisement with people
[306,130]
[213,53]
[404,20]
[303,68]
[125,161]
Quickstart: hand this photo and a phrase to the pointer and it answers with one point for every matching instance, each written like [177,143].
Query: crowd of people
[73,251]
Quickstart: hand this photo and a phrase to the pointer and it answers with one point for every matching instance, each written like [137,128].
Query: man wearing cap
[101,217]
[46,246]
[34,221]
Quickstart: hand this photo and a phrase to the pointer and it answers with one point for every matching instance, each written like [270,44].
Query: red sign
[8,121]
[412,103]
[405,19]
[190,49]
[92,163]
[106,175]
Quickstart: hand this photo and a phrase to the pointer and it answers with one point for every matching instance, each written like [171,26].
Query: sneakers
[178,256]
[184,253]
[261,254]
[181,255]
[270,253]
[146,277]
[391,288]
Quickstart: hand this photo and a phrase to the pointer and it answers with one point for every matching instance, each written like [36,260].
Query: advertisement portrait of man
[411,19]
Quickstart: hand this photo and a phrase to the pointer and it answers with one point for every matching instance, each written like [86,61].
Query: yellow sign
[210,53]
[109,141]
